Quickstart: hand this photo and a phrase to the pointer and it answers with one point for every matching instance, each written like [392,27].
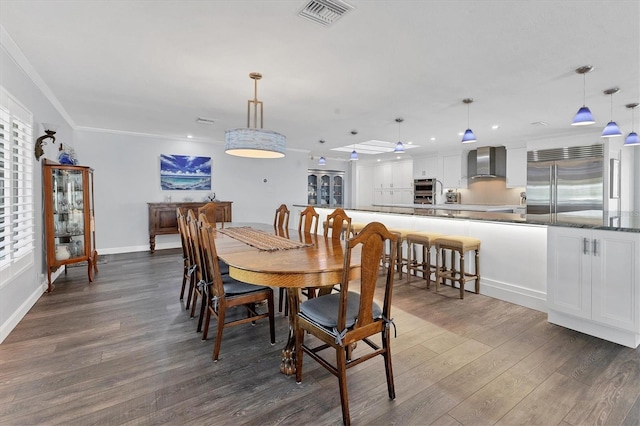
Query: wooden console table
[163,219]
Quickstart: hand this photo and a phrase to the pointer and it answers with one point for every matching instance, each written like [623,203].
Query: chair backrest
[213,213]
[338,223]
[373,238]
[308,220]
[211,264]
[281,219]
[194,236]
[184,238]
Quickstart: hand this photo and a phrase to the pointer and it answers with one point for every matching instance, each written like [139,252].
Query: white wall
[127,177]
[19,294]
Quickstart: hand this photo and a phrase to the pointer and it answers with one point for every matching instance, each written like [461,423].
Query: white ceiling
[155,66]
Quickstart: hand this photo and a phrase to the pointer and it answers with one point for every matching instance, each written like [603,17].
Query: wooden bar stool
[457,244]
[356,227]
[425,240]
[401,259]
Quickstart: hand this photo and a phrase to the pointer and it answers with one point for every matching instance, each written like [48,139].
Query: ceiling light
[399,147]
[189,136]
[322,162]
[468,136]
[354,154]
[495,127]
[632,138]
[583,117]
[433,139]
[611,130]
[251,141]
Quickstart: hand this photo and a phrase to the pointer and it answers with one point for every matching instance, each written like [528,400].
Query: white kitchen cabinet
[364,194]
[393,175]
[452,171]
[593,282]
[425,167]
[516,167]
[393,196]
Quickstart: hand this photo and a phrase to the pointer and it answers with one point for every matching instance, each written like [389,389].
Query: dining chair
[308,221]
[223,294]
[214,213]
[189,263]
[338,224]
[200,273]
[340,320]
[281,219]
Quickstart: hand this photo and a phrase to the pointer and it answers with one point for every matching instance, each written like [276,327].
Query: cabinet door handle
[595,247]
[585,246]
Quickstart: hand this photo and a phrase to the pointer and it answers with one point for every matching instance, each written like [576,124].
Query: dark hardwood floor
[123,350]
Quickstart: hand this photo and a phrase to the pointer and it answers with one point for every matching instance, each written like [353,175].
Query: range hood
[487,162]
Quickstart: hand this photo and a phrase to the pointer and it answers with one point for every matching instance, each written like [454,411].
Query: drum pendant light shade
[611,130]
[583,117]
[632,138]
[254,142]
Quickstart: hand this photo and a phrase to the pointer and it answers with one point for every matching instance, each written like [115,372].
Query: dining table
[263,255]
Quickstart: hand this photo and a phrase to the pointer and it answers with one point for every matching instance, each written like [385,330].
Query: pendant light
[251,141]
[611,130]
[468,136]
[322,162]
[399,146]
[583,117]
[354,154]
[632,138]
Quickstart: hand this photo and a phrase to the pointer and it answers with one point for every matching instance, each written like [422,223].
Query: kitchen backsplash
[490,191]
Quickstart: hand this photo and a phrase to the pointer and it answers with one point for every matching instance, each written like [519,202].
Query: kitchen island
[580,269]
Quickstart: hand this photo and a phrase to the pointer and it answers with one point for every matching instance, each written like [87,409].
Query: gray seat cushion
[224,268]
[233,287]
[323,310]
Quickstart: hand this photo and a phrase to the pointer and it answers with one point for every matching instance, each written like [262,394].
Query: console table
[163,219]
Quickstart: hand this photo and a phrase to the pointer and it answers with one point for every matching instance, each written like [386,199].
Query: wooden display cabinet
[70,235]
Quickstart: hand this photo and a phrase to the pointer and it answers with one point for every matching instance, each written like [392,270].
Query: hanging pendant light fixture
[251,141]
[354,154]
[399,146]
[468,136]
[632,138]
[611,130]
[583,117]
[322,162]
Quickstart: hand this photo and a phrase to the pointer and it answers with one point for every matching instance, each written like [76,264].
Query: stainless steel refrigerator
[565,181]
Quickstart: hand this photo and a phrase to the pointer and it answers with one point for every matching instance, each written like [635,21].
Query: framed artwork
[185,173]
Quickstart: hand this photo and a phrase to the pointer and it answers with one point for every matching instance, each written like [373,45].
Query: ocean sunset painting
[184,172]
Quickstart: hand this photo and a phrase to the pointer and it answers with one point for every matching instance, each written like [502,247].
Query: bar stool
[356,227]
[457,244]
[426,240]
[401,259]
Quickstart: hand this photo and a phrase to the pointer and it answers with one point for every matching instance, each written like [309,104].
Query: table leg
[288,364]
[152,243]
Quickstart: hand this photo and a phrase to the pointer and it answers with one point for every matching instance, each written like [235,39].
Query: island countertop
[626,221]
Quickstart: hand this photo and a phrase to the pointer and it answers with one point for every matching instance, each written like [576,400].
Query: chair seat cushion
[233,287]
[323,310]
[224,268]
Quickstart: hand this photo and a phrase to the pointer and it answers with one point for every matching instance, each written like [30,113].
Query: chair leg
[272,326]
[184,283]
[462,276]
[218,343]
[341,364]
[388,368]
[207,321]
[190,292]
[299,339]
[280,298]
[203,308]
[194,301]
[477,271]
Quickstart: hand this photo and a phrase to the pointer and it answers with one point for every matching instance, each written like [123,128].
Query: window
[16,188]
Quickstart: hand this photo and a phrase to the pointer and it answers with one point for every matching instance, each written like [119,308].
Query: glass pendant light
[632,138]
[468,136]
[322,162]
[399,146]
[354,154]
[611,130]
[583,117]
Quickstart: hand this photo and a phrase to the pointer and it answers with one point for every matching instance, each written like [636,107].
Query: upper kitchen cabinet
[393,175]
[516,167]
[452,171]
[325,187]
[425,167]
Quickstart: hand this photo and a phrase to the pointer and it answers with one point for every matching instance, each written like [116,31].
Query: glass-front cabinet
[69,217]
[325,187]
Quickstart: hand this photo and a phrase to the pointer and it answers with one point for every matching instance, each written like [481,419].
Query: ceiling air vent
[324,12]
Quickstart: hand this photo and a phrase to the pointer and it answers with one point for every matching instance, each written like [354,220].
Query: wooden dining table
[318,262]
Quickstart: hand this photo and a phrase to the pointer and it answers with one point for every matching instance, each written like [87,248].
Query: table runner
[260,239]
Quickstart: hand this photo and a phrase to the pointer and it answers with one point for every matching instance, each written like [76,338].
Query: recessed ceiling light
[189,136]
[433,138]
[495,126]
[378,160]
[460,133]
[397,158]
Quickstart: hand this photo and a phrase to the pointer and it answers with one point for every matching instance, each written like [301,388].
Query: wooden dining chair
[338,224]
[308,222]
[187,257]
[281,219]
[214,214]
[223,294]
[200,273]
[340,320]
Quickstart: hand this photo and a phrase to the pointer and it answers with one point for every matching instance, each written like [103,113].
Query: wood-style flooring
[123,350]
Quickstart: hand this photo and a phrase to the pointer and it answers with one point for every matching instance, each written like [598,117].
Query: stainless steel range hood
[487,162]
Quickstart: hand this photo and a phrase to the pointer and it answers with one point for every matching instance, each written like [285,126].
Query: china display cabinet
[325,187]
[70,235]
